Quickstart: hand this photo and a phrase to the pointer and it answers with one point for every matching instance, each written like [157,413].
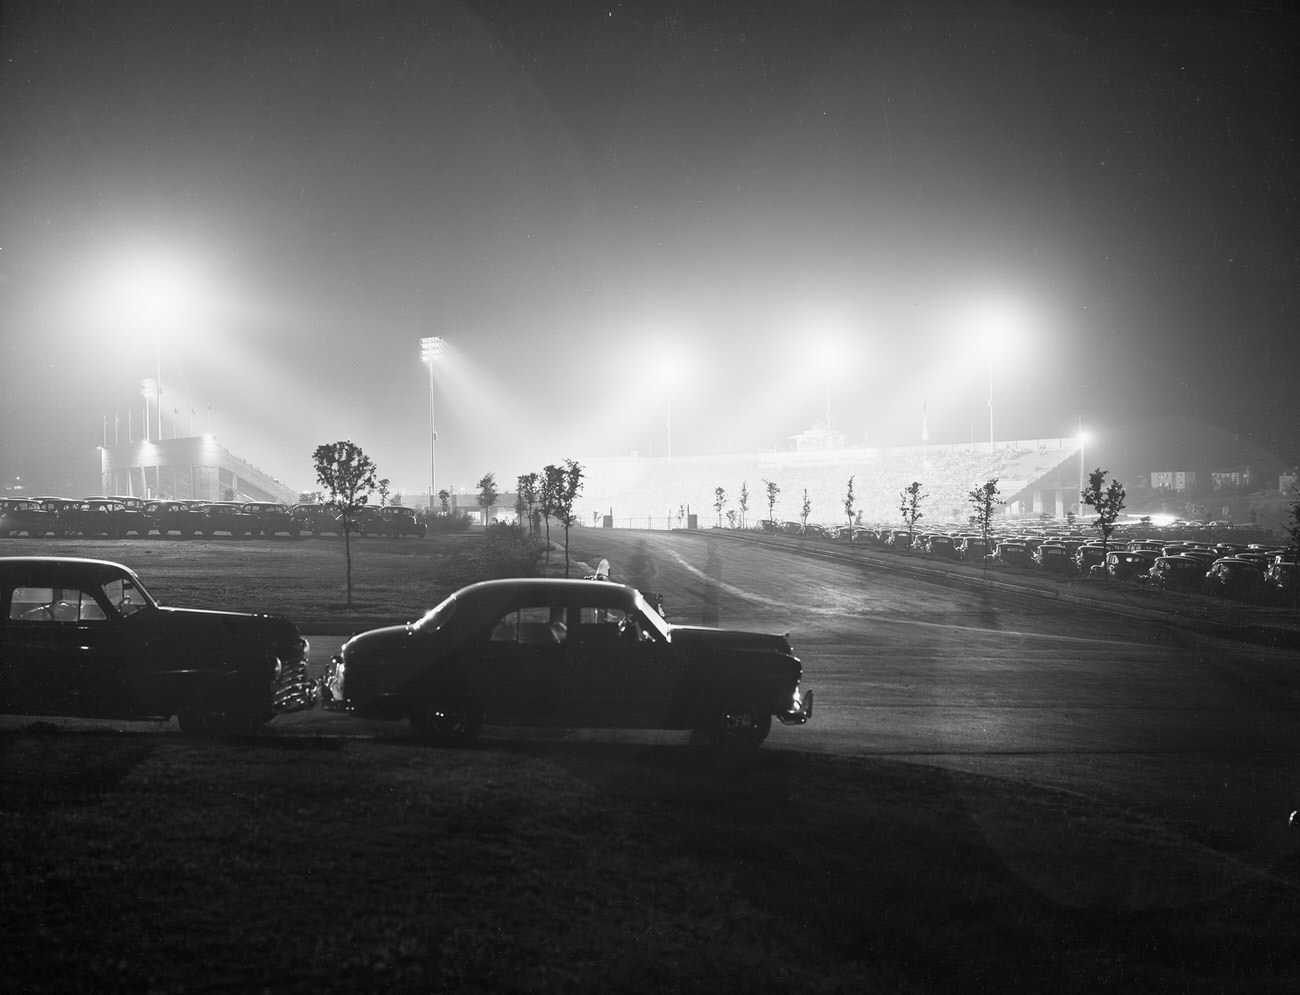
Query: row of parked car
[116,517]
[1245,571]
[1260,572]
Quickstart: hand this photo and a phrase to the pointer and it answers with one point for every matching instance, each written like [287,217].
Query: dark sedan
[1233,577]
[569,653]
[28,517]
[1175,573]
[166,517]
[84,638]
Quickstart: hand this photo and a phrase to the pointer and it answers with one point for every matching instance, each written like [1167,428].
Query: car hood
[385,645]
[224,628]
[702,637]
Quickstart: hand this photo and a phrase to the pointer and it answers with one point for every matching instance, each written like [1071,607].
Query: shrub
[509,551]
[459,521]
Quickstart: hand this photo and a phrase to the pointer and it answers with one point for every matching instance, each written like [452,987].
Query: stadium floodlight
[151,290]
[670,372]
[431,348]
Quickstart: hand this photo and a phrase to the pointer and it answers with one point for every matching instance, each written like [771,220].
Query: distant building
[819,438]
[1220,479]
[1173,480]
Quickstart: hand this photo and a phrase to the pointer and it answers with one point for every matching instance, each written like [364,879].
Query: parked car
[943,547]
[166,517]
[64,511]
[84,637]
[1282,580]
[1009,554]
[130,501]
[395,520]
[1053,558]
[102,517]
[1088,556]
[316,518]
[228,516]
[272,517]
[1128,564]
[566,653]
[1232,577]
[28,517]
[1175,573]
[972,548]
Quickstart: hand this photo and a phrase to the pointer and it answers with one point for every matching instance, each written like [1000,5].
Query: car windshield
[655,620]
[435,618]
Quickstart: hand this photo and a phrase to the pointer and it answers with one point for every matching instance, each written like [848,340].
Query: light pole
[1082,440]
[157,355]
[991,444]
[430,352]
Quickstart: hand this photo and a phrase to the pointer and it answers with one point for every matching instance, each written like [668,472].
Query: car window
[531,625]
[54,604]
[125,595]
[596,625]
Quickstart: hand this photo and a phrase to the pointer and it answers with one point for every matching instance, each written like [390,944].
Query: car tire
[455,722]
[737,723]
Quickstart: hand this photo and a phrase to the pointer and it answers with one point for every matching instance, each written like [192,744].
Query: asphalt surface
[1180,713]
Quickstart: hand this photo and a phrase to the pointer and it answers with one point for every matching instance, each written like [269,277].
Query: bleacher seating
[650,493]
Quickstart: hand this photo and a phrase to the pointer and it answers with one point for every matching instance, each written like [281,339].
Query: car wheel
[737,722]
[456,722]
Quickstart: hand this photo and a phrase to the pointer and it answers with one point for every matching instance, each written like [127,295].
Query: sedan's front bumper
[293,690]
[800,711]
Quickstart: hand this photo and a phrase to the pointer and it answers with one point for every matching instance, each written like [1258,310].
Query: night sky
[639,225]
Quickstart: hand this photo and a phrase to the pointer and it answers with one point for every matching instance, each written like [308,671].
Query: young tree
[444,501]
[719,502]
[1107,500]
[551,481]
[383,487]
[568,483]
[984,499]
[743,501]
[805,510]
[773,491]
[909,503]
[347,476]
[527,485]
[487,494]
[848,505]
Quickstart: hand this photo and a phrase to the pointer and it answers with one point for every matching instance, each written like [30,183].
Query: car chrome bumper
[293,690]
[800,713]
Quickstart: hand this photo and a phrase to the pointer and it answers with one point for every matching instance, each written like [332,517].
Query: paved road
[1200,731]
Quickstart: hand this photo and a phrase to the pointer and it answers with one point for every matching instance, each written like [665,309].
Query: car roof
[60,567]
[541,587]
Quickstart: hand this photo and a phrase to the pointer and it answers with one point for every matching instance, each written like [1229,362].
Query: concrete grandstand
[193,468]
[1035,477]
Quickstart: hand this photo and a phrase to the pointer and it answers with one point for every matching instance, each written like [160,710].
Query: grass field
[145,862]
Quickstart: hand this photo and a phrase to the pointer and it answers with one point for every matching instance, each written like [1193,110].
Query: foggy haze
[643,225]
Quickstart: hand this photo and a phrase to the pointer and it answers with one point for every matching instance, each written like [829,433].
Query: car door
[510,666]
[618,670]
[60,653]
